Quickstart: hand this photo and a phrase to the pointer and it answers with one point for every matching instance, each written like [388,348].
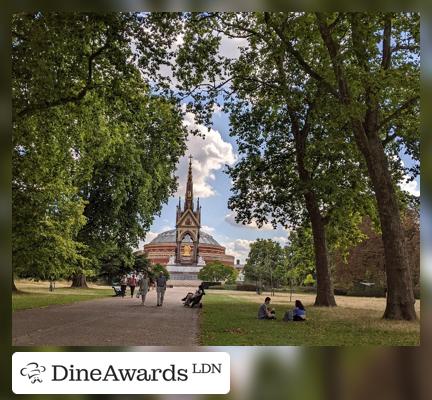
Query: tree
[94,147]
[371,80]
[300,254]
[265,263]
[114,263]
[130,184]
[216,271]
[156,269]
[287,172]
[365,260]
[141,262]
[374,76]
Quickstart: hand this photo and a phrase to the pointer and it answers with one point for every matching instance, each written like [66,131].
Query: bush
[309,280]
[367,291]
[246,287]
[305,289]
[207,285]
[340,292]
[216,271]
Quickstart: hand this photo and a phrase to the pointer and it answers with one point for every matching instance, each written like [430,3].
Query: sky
[212,185]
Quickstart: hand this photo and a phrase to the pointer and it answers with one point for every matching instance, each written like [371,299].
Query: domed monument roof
[170,237]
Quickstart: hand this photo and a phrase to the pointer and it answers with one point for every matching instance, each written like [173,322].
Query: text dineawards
[170,374]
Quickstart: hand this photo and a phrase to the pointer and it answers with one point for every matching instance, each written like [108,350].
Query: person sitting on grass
[265,312]
[299,312]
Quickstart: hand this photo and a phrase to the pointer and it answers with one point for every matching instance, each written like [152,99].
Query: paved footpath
[110,321]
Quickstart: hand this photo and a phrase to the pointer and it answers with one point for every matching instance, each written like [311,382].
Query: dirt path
[109,322]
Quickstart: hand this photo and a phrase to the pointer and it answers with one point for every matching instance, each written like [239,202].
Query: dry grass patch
[308,299]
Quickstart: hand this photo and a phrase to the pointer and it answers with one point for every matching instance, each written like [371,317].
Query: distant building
[239,267]
[186,249]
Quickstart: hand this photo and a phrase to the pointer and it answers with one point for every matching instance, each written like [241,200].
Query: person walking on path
[160,288]
[123,285]
[144,286]
[132,281]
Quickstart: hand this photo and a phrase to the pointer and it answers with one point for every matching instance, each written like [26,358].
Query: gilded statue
[187,250]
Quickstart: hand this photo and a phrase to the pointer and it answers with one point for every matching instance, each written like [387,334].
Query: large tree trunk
[325,294]
[79,281]
[400,295]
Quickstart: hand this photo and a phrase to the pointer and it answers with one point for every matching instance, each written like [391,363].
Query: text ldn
[62,373]
[204,368]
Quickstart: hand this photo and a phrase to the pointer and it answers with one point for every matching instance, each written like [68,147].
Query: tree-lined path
[109,322]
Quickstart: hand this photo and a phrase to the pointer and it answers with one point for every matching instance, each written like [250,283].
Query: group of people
[297,314]
[144,283]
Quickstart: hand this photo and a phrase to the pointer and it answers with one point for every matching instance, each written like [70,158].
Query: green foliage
[218,272]
[309,280]
[300,255]
[113,263]
[155,271]
[141,263]
[94,145]
[265,263]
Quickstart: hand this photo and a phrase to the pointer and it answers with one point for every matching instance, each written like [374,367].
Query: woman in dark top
[299,312]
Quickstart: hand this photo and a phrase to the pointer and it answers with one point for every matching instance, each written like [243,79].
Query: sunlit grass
[230,319]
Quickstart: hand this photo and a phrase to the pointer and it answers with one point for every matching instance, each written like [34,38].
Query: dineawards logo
[113,374]
[33,371]
[121,373]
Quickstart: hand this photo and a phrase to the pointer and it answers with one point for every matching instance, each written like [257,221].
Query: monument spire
[189,188]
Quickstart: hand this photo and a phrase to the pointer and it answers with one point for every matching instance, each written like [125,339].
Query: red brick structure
[160,249]
[187,248]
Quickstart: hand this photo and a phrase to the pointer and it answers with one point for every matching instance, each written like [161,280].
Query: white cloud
[230,218]
[207,229]
[406,184]
[239,248]
[230,47]
[282,240]
[210,154]
[149,237]
[412,187]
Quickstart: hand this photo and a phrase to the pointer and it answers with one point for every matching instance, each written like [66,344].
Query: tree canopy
[365,68]
[216,271]
[266,263]
[95,145]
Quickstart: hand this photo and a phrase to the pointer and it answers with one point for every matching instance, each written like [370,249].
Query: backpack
[288,316]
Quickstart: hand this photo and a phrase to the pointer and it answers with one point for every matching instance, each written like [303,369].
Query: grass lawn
[36,294]
[229,319]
